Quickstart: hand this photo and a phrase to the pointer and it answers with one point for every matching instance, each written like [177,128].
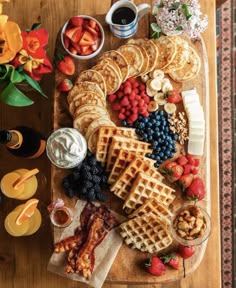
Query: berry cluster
[87,181]
[155,130]
[130,100]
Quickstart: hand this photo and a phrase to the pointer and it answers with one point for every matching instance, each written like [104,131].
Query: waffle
[118,143]
[122,161]
[105,137]
[124,183]
[154,206]
[146,233]
[145,187]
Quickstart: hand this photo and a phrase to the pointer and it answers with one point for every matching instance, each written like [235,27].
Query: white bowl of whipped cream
[66,148]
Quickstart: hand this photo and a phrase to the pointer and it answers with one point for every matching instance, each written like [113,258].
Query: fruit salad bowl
[82,37]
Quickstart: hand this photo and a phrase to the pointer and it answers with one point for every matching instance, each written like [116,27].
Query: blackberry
[101,197]
[65,183]
[104,179]
[87,184]
[91,196]
[97,188]
[84,191]
[76,175]
[78,167]
[96,179]
[86,174]
[92,161]
[94,170]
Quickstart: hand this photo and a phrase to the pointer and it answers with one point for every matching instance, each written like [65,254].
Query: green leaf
[186,11]
[14,97]
[155,27]
[36,26]
[180,28]
[8,72]
[33,83]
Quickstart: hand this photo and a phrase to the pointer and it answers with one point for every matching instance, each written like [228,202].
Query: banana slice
[157,73]
[166,86]
[170,108]
[144,78]
[156,84]
[152,106]
[149,90]
[160,98]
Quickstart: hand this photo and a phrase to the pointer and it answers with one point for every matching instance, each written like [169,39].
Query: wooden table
[23,261]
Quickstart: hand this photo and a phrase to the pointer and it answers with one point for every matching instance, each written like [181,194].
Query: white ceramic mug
[123,17]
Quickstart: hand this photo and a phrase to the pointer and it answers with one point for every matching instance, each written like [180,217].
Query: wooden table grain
[23,260]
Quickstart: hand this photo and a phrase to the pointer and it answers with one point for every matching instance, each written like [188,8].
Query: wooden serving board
[128,265]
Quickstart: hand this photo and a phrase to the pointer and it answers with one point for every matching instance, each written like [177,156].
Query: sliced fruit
[76,21]
[24,177]
[152,106]
[34,222]
[157,73]
[30,186]
[170,108]
[87,39]
[155,84]
[27,211]
[160,98]
[92,23]
[92,31]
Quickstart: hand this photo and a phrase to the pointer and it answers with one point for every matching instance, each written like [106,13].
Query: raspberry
[134,103]
[116,107]
[136,90]
[132,95]
[135,110]
[127,90]
[112,97]
[120,94]
[122,110]
[146,99]
[138,97]
[141,102]
[121,87]
[127,113]
[131,80]
[135,84]
[142,87]
[146,114]
[142,110]
[127,84]
[124,101]
[121,116]
[133,117]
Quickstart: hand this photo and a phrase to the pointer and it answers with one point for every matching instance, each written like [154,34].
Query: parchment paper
[105,253]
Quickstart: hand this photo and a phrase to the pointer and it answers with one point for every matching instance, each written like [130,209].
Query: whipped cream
[66,148]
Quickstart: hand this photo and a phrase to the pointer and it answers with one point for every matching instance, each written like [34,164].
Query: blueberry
[124,123]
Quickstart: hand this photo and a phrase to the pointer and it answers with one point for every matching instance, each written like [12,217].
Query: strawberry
[191,159]
[155,266]
[74,34]
[92,31]
[171,260]
[196,162]
[187,168]
[173,171]
[186,251]
[66,41]
[76,21]
[65,85]
[66,65]
[185,181]
[92,23]
[173,97]
[87,39]
[182,160]
[196,191]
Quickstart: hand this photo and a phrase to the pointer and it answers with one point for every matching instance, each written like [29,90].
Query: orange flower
[10,39]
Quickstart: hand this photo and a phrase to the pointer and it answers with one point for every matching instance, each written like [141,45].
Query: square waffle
[146,233]
[105,135]
[154,206]
[118,143]
[122,161]
[145,187]
[122,186]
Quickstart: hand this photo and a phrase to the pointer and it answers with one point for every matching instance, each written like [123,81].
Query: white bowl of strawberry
[82,37]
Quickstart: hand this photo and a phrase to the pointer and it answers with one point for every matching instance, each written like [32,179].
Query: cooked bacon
[70,242]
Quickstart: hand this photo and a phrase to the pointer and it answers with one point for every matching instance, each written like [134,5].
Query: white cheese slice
[197,130]
[196,137]
[194,123]
[190,92]
[190,99]
[196,147]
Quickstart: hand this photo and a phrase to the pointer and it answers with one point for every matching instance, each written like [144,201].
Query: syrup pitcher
[123,17]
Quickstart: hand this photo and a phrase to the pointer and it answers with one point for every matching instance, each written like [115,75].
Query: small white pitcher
[123,17]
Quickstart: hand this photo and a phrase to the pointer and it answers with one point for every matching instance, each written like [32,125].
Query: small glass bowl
[197,239]
[61,217]
[85,57]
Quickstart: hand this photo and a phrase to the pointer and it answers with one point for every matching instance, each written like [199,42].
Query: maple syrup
[123,16]
[61,217]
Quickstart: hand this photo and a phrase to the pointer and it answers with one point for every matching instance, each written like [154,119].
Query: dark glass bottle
[23,142]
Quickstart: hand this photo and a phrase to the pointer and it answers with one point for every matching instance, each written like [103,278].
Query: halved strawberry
[66,41]
[76,46]
[65,85]
[87,39]
[92,31]
[92,23]
[96,44]
[76,21]
[74,34]
[87,52]
[72,50]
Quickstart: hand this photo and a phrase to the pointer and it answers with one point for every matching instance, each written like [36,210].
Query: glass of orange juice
[22,183]
[24,220]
